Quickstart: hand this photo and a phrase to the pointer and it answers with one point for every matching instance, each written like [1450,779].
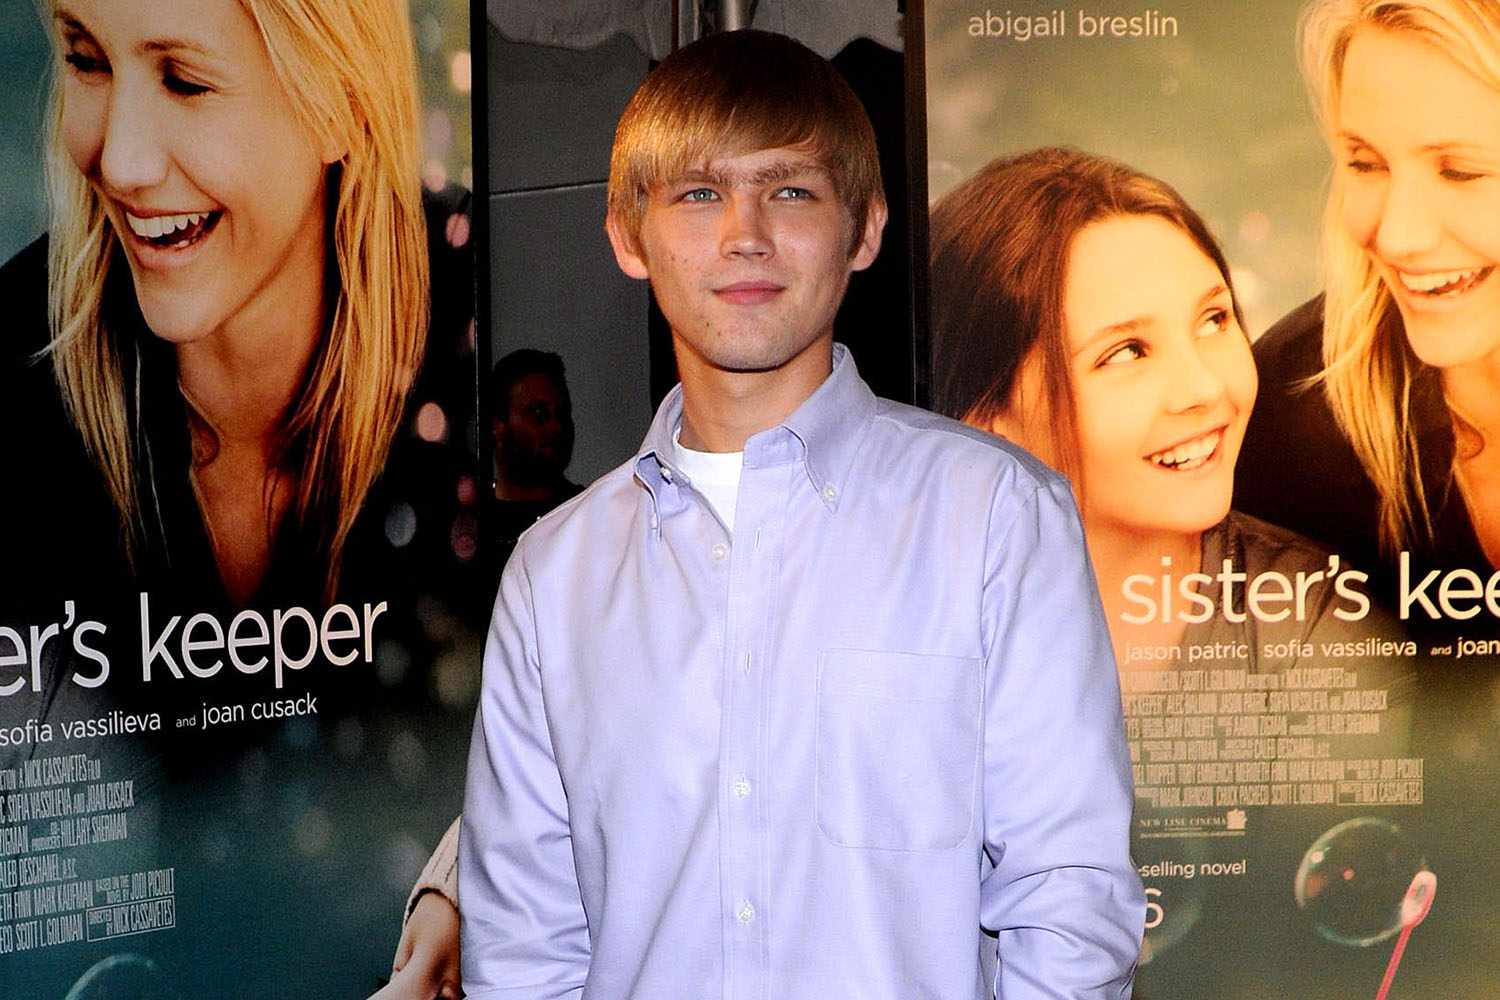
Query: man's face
[535,440]
[749,257]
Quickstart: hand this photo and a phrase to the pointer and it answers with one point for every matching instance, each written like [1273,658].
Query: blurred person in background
[532,428]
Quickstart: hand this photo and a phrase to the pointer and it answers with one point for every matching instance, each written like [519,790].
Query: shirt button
[746,912]
[719,551]
[829,492]
[742,788]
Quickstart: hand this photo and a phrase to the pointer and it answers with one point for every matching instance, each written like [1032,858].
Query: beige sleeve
[441,873]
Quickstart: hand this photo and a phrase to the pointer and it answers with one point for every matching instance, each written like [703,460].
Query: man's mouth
[749,292]
[1190,454]
[1443,284]
[171,231]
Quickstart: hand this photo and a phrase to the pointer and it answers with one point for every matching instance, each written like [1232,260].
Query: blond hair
[1369,369]
[739,92]
[349,69]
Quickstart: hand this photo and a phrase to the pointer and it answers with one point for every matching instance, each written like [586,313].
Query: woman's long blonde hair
[1369,369]
[349,68]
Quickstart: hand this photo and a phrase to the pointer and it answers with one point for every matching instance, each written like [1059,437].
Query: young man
[815,690]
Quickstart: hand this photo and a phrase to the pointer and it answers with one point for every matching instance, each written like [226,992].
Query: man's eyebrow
[703,175]
[771,173]
[785,170]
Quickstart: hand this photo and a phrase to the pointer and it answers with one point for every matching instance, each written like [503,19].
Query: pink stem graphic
[1415,906]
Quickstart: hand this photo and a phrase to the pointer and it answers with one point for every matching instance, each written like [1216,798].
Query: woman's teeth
[1189,454]
[168,230]
[1442,282]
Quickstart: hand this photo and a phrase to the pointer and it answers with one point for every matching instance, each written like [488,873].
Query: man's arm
[524,932]
[1063,897]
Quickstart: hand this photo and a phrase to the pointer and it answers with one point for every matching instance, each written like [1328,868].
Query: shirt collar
[822,434]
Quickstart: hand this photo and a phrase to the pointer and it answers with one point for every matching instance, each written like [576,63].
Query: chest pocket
[898,748]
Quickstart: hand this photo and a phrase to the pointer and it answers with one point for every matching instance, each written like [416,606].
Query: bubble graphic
[1353,879]
[1174,895]
[123,977]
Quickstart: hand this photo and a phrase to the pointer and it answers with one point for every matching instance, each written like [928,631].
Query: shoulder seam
[1001,447]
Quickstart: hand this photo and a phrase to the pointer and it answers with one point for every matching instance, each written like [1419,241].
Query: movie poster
[245,586]
[1149,237]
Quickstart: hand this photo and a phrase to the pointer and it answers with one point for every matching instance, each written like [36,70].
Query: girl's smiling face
[1417,147]
[172,110]
[1163,378]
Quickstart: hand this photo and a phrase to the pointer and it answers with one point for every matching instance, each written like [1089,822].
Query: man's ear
[869,241]
[630,257]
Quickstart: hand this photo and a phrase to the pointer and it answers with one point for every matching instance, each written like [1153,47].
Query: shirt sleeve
[523,929]
[1063,897]
[440,875]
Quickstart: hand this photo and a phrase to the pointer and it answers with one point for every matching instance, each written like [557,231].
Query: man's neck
[721,409]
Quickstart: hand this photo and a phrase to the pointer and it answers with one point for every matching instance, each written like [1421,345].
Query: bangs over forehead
[734,93]
[1467,31]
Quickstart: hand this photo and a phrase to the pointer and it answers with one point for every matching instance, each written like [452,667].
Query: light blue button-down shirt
[811,760]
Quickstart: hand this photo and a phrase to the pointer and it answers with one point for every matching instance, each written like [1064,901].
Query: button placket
[752,582]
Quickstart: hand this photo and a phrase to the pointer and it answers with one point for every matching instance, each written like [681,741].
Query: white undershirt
[715,474]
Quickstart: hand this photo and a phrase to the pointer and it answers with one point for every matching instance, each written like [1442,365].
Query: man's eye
[795,194]
[700,194]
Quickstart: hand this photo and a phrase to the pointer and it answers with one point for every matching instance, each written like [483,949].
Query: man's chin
[762,358]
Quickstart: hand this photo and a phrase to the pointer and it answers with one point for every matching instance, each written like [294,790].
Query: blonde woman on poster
[216,344]
[209,384]
[1375,431]
[237,275]
[1379,419]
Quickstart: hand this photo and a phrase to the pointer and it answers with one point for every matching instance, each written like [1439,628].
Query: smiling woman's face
[1417,143]
[172,110]
[1162,374]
